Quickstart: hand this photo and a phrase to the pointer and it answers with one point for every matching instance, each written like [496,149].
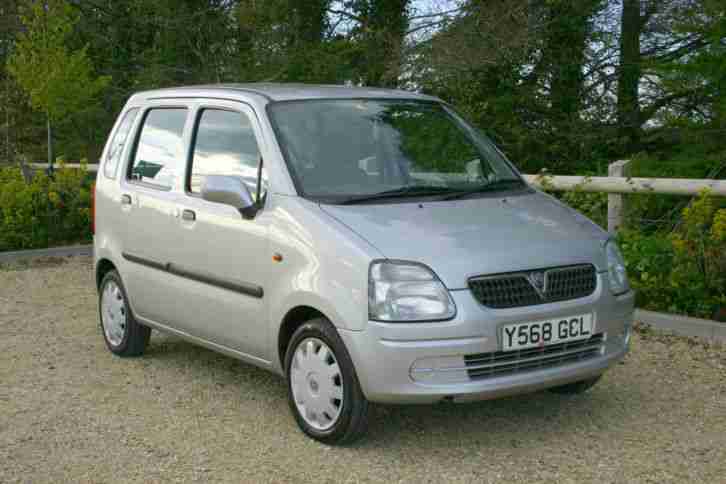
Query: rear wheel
[323,389]
[123,335]
[577,387]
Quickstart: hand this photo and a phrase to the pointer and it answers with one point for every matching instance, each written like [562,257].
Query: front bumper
[424,362]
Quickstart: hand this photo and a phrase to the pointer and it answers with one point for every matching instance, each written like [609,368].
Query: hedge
[45,212]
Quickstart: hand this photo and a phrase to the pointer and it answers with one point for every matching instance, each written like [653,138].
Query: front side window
[118,142]
[159,153]
[344,150]
[224,144]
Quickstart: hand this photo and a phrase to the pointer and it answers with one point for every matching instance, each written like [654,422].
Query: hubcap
[317,384]
[113,313]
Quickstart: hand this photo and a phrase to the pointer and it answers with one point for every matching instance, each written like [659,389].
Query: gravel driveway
[70,411]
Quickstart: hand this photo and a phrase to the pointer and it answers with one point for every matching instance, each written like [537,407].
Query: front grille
[517,289]
[570,283]
[489,365]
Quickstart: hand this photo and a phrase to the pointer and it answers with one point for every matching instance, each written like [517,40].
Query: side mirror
[230,190]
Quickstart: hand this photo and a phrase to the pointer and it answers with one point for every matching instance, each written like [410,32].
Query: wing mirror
[230,190]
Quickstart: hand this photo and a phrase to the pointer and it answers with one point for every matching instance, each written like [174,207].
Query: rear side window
[224,144]
[159,152]
[118,142]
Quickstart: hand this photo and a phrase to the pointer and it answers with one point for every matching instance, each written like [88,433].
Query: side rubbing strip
[240,287]
[144,262]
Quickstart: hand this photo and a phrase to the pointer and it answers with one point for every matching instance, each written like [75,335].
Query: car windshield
[352,149]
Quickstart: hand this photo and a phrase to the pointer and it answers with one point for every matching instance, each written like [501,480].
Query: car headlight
[616,268]
[407,291]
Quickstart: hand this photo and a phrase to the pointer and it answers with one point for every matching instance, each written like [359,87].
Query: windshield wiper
[489,187]
[407,191]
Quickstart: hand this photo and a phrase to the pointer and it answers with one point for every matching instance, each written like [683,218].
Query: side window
[224,144]
[159,152]
[118,142]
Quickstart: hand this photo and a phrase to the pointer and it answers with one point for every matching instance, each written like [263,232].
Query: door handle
[189,215]
[125,199]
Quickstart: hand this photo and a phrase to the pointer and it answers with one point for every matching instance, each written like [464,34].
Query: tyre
[123,335]
[577,387]
[323,390]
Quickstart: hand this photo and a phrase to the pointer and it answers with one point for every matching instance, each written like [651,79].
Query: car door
[148,203]
[223,258]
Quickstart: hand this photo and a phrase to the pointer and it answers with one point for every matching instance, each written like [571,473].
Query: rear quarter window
[118,142]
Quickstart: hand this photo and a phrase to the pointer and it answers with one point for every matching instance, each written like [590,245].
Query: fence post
[615,200]
[26,170]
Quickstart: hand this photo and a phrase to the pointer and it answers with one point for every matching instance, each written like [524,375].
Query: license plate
[541,333]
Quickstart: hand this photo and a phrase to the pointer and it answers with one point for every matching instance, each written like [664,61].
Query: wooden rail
[44,166]
[615,185]
[602,184]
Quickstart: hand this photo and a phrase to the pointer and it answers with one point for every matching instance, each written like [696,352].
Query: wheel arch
[103,267]
[293,319]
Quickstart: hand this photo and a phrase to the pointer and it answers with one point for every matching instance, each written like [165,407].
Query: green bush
[684,271]
[679,270]
[649,259]
[45,212]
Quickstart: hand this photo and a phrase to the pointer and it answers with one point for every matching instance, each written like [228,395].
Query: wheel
[577,387]
[323,389]
[123,335]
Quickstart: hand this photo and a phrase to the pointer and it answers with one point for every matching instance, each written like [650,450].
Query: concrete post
[616,205]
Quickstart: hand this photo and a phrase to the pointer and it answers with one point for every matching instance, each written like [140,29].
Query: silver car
[368,245]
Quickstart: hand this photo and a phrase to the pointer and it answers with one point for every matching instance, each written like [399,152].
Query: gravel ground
[70,411]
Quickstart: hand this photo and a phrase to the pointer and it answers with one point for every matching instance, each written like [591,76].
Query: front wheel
[323,389]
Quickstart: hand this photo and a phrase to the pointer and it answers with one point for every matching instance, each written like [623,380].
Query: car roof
[283,92]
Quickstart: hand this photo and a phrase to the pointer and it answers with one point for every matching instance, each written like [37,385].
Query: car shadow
[211,367]
[516,421]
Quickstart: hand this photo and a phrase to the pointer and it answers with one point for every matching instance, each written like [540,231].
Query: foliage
[594,205]
[700,78]
[698,157]
[649,259]
[45,212]
[380,33]
[684,272]
[680,272]
[57,81]
[699,246]
[541,77]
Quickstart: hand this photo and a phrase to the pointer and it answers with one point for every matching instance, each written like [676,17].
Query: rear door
[222,258]
[148,202]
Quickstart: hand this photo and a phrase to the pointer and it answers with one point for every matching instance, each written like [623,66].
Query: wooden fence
[615,185]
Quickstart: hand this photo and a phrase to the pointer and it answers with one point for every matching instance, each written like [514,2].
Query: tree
[565,31]
[563,84]
[697,81]
[517,68]
[382,27]
[57,81]
[631,27]
[308,20]
[8,30]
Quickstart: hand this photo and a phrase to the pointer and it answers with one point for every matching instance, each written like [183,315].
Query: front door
[222,259]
